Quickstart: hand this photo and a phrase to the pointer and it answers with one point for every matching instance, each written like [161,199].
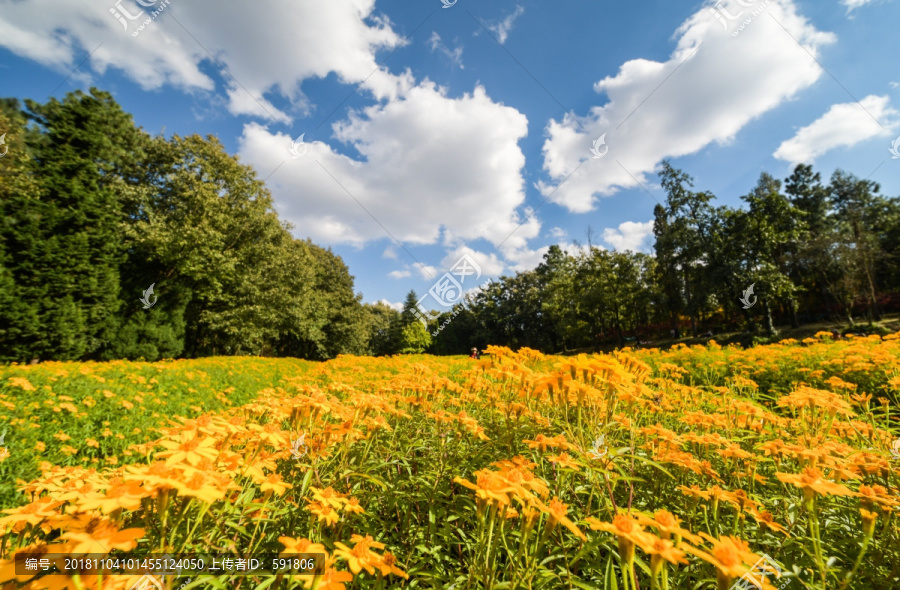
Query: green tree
[769,232]
[20,292]
[68,264]
[380,318]
[414,338]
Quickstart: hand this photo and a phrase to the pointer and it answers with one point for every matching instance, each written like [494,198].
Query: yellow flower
[102,539]
[360,557]
[188,448]
[324,512]
[812,482]
[275,484]
[293,546]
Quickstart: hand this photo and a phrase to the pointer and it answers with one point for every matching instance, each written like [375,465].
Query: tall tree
[70,263]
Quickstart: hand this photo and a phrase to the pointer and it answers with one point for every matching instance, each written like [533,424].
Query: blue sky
[430,133]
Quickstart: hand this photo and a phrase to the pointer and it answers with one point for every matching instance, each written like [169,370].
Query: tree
[67,265]
[20,294]
[769,231]
[856,208]
[414,339]
[380,318]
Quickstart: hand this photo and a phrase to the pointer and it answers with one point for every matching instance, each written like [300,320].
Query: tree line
[93,211]
[811,251]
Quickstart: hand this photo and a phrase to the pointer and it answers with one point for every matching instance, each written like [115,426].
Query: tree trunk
[770,325]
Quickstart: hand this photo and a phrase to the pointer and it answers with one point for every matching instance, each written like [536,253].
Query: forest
[94,211]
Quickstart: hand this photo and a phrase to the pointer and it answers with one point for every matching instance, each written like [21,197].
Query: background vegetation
[93,210]
[673,469]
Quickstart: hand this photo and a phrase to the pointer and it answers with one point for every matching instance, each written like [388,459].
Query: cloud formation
[843,125]
[712,85]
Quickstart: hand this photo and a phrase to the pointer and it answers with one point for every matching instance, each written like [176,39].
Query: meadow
[638,469]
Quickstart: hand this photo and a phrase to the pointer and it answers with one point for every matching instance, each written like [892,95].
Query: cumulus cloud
[260,48]
[431,168]
[399,274]
[489,264]
[712,85]
[630,235]
[844,125]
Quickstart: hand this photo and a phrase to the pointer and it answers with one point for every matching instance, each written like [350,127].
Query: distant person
[835,334]
[474,354]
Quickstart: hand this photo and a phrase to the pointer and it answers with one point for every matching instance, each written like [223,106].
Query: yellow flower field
[689,468]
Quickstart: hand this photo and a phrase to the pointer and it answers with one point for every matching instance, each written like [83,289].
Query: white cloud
[454,55]
[526,259]
[844,125]
[854,4]
[558,233]
[630,235]
[702,94]
[399,274]
[395,305]
[490,265]
[502,28]
[261,48]
[426,271]
[428,165]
